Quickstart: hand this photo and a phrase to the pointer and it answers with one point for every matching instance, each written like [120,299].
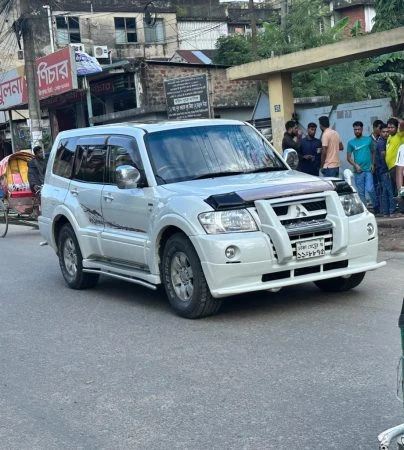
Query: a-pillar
[281,104]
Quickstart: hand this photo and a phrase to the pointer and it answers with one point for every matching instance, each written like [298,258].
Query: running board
[125,273]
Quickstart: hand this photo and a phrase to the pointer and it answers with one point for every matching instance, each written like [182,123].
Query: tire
[340,284]
[184,281]
[3,219]
[71,261]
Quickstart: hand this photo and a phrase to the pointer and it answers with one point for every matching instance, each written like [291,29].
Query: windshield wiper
[217,174]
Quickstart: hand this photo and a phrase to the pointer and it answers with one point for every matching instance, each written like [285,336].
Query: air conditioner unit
[77,47]
[100,51]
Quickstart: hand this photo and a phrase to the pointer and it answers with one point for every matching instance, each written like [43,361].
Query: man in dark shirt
[36,169]
[387,201]
[5,148]
[291,138]
[310,152]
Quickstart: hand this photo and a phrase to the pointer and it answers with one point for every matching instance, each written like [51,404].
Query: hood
[250,187]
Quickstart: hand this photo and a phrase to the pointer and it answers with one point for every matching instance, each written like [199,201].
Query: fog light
[230,252]
[370,228]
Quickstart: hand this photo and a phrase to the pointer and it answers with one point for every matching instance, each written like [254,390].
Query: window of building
[67,30]
[154,33]
[125,30]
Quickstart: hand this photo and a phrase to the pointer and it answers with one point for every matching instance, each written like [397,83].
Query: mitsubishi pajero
[206,208]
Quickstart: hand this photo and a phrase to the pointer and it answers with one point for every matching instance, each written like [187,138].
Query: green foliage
[389,14]
[349,82]
[387,72]
[232,50]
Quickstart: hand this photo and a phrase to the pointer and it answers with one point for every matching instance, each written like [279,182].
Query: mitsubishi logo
[300,211]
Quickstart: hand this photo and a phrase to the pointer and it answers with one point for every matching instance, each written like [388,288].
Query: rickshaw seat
[22,193]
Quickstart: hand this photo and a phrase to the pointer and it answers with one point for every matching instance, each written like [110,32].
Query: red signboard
[56,73]
[13,88]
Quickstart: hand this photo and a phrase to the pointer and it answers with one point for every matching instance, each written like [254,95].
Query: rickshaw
[17,203]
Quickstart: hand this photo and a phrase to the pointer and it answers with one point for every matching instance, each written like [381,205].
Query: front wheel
[3,219]
[71,261]
[340,284]
[184,280]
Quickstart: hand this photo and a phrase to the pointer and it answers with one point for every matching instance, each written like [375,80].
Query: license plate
[310,249]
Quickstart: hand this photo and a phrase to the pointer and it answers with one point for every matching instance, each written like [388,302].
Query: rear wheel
[184,280]
[3,219]
[341,284]
[71,261]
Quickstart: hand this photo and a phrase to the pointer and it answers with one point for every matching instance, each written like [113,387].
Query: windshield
[208,151]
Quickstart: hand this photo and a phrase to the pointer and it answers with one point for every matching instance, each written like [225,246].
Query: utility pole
[30,72]
[284,10]
[253,24]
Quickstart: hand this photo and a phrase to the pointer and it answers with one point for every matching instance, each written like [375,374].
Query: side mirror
[127,177]
[291,157]
[348,175]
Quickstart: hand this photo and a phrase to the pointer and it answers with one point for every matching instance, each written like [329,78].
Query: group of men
[377,160]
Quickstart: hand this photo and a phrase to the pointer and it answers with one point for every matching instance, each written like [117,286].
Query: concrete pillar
[281,104]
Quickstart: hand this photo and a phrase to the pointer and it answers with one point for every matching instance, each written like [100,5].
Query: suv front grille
[303,220]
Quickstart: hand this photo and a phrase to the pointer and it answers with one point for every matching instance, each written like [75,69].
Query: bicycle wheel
[3,219]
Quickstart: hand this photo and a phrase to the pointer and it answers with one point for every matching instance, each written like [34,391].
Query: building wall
[99,29]
[198,35]
[224,93]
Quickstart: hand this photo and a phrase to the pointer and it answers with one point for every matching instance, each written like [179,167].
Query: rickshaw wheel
[3,219]
[71,261]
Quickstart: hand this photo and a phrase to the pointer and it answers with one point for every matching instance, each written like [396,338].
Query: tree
[232,50]
[307,26]
[389,14]
[387,71]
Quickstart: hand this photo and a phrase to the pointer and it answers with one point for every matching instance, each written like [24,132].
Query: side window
[91,158]
[63,162]
[123,150]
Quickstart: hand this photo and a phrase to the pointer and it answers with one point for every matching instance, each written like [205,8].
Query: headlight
[233,221]
[352,204]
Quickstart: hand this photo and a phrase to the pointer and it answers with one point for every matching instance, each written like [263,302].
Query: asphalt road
[113,368]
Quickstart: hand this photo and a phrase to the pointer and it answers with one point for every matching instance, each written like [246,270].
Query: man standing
[395,139]
[386,201]
[361,155]
[36,169]
[376,130]
[310,151]
[331,146]
[291,138]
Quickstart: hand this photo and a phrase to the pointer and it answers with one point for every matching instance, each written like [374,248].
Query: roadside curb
[396,222]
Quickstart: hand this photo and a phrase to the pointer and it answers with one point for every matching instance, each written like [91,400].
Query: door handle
[108,197]
[74,192]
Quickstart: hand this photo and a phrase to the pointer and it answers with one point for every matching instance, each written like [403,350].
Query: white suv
[205,207]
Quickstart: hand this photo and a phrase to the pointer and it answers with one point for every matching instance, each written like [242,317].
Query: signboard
[13,88]
[56,73]
[187,97]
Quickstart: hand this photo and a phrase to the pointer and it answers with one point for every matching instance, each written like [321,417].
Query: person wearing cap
[36,169]
[310,152]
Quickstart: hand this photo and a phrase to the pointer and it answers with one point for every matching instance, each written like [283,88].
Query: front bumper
[257,266]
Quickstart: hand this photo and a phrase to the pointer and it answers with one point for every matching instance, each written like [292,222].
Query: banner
[86,64]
